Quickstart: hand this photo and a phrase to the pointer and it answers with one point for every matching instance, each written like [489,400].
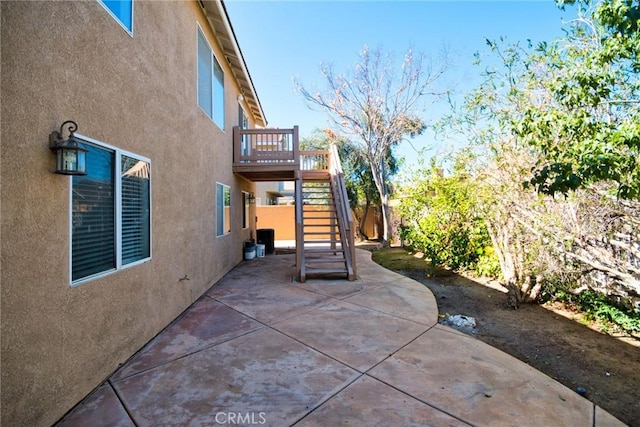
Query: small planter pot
[249,252]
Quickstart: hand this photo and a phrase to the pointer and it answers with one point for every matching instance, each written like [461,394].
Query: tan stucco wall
[282,219]
[72,61]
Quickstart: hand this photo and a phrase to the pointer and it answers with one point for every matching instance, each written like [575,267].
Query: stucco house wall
[72,61]
[281,218]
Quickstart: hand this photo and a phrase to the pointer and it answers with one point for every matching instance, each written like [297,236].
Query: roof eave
[220,23]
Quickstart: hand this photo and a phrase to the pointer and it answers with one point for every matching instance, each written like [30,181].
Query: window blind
[93,221]
[135,209]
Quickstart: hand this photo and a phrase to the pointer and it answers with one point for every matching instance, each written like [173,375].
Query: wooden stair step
[315,260]
[322,250]
[311,270]
[320,233]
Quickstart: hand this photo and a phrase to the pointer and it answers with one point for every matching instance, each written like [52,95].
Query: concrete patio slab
[335,288]
[479,384]
[603,418]
[100,408]
[270,304]
[354,335]
[368,402]
[206,323]
[399,301]
[262,375]
[262,349]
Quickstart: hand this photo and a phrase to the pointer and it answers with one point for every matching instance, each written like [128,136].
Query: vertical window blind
[93,223]
[135,210]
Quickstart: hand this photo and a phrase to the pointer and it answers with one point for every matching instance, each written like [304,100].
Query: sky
[285,39]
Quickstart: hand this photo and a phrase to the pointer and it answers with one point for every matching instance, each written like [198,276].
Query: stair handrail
[299,230]
[343,211]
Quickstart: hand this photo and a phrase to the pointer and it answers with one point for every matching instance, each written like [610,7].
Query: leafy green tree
[562,119]
[583,109]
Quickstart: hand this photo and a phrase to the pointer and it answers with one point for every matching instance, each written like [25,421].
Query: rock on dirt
[462,323]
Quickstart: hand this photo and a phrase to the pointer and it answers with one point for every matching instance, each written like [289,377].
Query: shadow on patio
[259,348]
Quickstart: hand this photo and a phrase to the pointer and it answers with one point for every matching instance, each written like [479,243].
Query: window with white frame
[245,210]
[223,209]
[122,11]
[243,120]
[111,212]
[210,82]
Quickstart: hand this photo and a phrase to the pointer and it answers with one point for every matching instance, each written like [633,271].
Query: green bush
[488,264]
[598,307]
[441,220]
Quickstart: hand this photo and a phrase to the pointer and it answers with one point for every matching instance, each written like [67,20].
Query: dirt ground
[552,339]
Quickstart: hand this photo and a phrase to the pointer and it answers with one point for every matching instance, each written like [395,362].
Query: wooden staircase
[324,224]
[324,229]
[323,252]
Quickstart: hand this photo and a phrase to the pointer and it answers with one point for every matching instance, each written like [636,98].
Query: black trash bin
[266,237]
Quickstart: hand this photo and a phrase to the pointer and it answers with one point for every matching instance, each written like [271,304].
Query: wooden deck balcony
[266,154]
[274,155]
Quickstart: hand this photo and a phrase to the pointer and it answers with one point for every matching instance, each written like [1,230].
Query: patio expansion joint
[429,325]
[206,347]
[368,374]
[311,309]
[122,402]
[320,404]
[431,405]
[339,298]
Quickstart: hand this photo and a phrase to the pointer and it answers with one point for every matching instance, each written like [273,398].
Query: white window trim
[224,233]
[113,15]
[214,58]
[118,215]
[245,205]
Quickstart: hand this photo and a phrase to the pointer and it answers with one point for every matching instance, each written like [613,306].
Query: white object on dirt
[460,321]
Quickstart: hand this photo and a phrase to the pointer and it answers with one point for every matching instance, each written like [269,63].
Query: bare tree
[376,108]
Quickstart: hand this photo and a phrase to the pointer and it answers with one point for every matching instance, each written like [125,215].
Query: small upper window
[223,209]
[122,11]
[210,82]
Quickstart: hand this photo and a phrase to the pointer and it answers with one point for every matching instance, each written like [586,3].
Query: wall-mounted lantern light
[252,198]
[70,154]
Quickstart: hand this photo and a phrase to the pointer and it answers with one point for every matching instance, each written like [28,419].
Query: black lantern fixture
[252,198]
[71,156]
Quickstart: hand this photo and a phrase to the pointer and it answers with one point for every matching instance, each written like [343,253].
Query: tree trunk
[363,221]
[379,179]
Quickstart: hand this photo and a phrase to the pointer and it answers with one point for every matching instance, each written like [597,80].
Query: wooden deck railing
[314,160]
[265,146]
